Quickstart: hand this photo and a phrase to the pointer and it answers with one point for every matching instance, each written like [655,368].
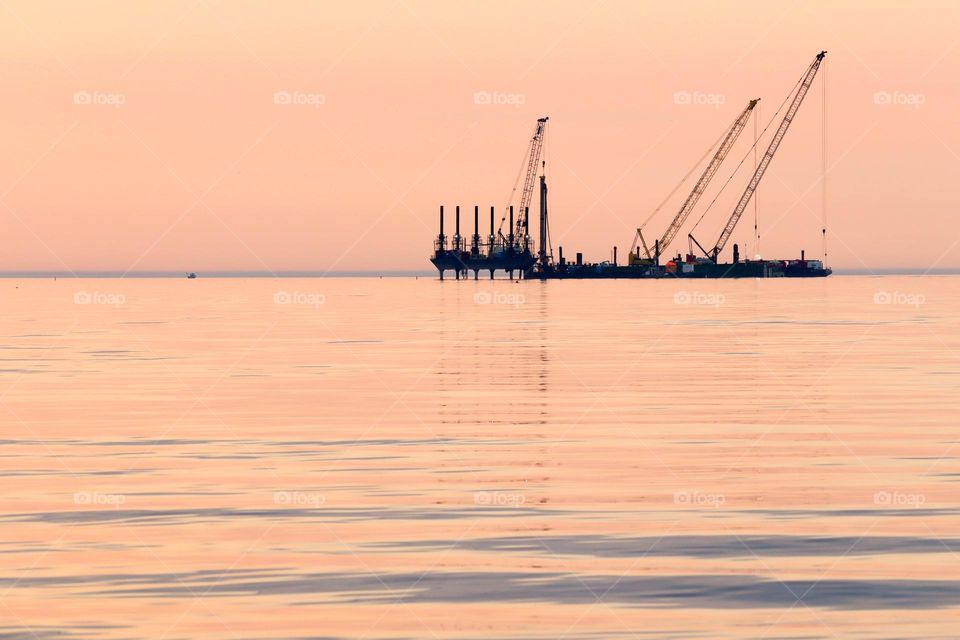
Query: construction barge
[691,267]
[515,252]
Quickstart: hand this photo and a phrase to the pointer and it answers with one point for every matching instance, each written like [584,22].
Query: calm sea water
[401,458]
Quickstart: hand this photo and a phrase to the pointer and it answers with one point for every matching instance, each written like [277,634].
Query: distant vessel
[191,275]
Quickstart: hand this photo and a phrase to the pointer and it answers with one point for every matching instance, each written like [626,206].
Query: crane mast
[767,157]
[530,179]
[725,146]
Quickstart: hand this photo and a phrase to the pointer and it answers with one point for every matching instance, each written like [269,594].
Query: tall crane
[711,169]
[530,180]
[805,83]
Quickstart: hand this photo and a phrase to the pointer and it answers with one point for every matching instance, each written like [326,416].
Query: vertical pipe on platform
[457,245]
[614,256]
[526,228]
[475,245]
[440,243]
[440,237]
[542,254]
[492,239]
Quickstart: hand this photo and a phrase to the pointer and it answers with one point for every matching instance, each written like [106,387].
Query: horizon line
[388,273]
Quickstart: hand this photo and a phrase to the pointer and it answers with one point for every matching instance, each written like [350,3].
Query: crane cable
[756,194]
[684,179]
[516,183]
[823,167]
[747,154]
[543,171]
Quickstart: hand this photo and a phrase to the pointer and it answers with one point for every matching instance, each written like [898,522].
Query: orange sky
[174,154]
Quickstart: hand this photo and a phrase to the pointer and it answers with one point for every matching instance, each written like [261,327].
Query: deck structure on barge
[497,252]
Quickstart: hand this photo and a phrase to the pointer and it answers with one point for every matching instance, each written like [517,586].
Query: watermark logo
[899,298]
[299,298]
[498,98]
[298,499]
[498,499]
[699,298]
[699,98]
[97,499]
[99,98]
[899,98]
[488,297]
[97,297]
[699,499]
[899,499]
[299,98]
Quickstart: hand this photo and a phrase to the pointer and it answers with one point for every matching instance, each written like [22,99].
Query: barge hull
[756,269]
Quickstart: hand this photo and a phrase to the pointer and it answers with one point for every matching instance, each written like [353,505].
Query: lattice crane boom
[711,170]
[530,180]
[767,156]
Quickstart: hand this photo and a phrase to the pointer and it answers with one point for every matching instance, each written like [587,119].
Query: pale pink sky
[200,169]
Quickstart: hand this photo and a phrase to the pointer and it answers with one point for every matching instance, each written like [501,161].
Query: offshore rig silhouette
[511,252]
[515,252]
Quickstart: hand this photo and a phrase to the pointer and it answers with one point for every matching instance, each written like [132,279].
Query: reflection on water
[359,458]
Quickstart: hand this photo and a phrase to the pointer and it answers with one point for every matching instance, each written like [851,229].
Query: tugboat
[191,276]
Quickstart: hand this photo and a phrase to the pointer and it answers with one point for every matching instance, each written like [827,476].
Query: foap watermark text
[498,499]
[98,499]
[899,499]
[899,298]
[899,98]
[299,98]
[299,298]
[699,98]
[699,298]
[299,499]
[493,297]
[99,98]
[499,98]
[699,499]
[99,297]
